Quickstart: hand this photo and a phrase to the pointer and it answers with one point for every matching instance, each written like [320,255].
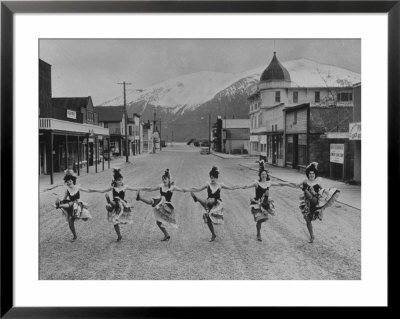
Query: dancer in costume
[119,211]
[71,205]
[315,198]
[213,204]
[262,204]
[163,209]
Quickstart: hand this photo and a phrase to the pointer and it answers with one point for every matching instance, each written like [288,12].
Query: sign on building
[337,153]
[71,114]
[355,131]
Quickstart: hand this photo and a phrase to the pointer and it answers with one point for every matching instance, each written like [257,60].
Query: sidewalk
[349,194]
[231,156]
[116,162]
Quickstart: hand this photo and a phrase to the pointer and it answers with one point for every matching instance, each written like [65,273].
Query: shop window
[345,97]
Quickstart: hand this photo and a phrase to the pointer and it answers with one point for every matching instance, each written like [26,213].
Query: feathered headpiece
[262,168]
[167,175]
[70,175]
[214,172]
[116,176]
[312,167]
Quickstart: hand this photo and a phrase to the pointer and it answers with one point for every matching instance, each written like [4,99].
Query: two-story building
[355,132]
[135,133]
[69,134]
[113,118]
[147,137]
[231,135]
[292,104]
[312,134]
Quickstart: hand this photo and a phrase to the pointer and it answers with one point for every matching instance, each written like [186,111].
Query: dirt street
[284,252]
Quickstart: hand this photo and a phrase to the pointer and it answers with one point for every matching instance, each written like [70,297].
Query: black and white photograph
[199,159]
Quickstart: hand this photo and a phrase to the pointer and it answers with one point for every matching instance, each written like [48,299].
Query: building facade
[231,136]
[135,132]
[355,133]
[290,108]
[313,133]
[69,135]
[113,118]
[147,137]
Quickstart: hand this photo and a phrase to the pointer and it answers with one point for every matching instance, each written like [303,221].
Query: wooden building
[69,135]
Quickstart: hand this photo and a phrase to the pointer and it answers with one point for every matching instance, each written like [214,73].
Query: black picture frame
[9,8]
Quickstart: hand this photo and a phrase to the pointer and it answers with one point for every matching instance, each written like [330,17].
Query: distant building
[355,132]
[231,136]
[113,118]
[69,135]
[147,137]
[135,134]
[292,107]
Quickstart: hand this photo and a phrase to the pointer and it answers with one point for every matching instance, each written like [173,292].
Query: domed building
[295,103]
[266,135]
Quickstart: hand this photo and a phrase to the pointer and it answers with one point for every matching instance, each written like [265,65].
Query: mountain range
[183,104]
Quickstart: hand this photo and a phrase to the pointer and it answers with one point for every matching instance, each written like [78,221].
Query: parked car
[205,143]
[204,151]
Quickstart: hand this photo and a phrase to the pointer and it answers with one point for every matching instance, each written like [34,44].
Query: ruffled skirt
[216,214]
[312,209]
[77,210]
[164,213]
[121,213]
[260,212]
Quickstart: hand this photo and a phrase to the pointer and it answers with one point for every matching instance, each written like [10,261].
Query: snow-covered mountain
[183,103]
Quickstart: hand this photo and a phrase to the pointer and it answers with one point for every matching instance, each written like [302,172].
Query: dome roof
[275,71]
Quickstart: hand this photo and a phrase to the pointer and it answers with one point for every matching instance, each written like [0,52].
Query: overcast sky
[94,67]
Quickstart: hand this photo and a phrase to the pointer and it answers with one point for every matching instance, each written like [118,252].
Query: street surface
[284,252]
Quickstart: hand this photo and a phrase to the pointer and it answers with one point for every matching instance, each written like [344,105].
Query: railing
[54,124]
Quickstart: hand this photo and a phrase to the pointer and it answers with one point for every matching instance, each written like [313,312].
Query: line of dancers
[314,200]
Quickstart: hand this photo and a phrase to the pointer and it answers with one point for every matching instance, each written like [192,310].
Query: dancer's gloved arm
[135,189]
[249,186]
[283,183]
[149,189]
[52,187]
[230,187]
[196,189]
[92,190]
[178,189]
[86,190]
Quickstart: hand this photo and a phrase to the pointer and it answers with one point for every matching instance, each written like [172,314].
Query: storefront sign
[71,114]
[355,131]
[337,153]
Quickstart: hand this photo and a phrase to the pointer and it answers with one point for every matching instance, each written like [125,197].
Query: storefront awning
[59,125]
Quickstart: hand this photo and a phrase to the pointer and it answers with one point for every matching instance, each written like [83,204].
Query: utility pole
[154,129]
[209,132]
[160,137]
[126,123]
[172,141]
